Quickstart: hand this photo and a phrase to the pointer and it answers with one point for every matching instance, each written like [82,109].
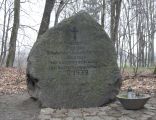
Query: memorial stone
[73,65]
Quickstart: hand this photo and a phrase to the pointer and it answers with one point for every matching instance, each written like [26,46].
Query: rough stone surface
[113,111]
[73,65]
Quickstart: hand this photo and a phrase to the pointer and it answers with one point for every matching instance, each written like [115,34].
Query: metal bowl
[135,103]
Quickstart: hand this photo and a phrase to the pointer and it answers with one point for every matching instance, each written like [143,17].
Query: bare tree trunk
[13,39]
[46,17]
[152,30]
[152,47]
[115,16]
[154,71]
[3,35]
[103,14]
[127,13]
[61,6]
[146,50]
[58,12]
[112,20]
[121,51]
[148,33]
[6,38]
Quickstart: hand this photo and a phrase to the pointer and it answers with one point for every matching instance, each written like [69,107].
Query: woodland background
[131,24]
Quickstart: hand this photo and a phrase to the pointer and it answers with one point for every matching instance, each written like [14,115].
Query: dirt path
[18,107]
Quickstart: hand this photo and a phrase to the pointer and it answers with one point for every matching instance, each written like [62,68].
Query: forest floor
[15,103]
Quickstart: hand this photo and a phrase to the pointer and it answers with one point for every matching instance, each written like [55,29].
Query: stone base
[113,111]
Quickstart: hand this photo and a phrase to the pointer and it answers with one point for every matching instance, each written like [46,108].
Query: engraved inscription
[74,60]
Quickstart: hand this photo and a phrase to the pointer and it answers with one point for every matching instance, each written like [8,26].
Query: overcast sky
[30,15]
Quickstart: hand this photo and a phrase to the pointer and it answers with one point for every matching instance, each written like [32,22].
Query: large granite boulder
[73,65]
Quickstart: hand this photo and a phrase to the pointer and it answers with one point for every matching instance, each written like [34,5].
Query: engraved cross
[74,30]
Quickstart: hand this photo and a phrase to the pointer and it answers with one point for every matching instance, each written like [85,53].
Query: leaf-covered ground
[141,84]
[13,81]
